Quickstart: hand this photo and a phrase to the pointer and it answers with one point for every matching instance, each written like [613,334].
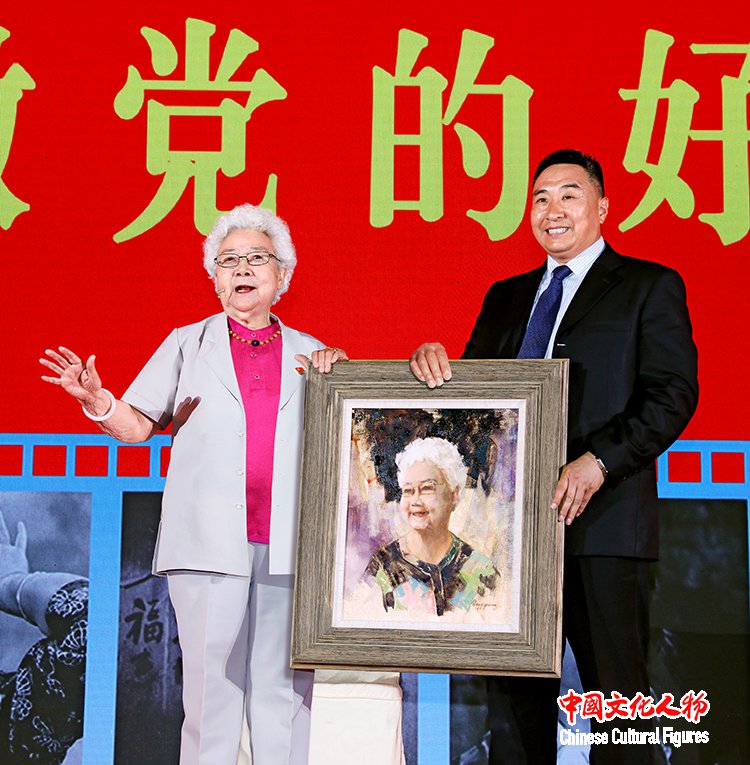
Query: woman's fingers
[75,376]
[93,382]
[21,537]
[51,365]
[55,356]
[324,359]
[302,360]
[69,355]
[4,533]
[66,359]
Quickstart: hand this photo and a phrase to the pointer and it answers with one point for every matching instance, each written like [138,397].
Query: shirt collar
[581,263]
[253,334]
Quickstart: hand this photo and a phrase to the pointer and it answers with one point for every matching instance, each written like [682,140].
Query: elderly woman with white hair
[232,388]
[430,570]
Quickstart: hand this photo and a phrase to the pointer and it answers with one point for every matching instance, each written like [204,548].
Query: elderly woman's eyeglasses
[425,489]
[254,257]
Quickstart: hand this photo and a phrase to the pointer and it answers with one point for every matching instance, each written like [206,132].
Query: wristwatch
[602,466]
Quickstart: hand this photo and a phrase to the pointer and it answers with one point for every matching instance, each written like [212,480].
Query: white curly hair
[258,219]
[441,453]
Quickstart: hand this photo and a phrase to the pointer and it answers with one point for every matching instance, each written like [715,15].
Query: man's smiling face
[567,211]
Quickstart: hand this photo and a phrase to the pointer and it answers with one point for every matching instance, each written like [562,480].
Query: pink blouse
[258,370]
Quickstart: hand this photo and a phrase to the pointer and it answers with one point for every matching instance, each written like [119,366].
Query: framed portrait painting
[426,539]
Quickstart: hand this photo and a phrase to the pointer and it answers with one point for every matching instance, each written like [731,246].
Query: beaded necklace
[254,343]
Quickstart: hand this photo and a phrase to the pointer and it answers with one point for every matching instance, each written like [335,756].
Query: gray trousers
[235,636]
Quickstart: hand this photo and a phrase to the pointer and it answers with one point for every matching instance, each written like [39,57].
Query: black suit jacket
[632,388]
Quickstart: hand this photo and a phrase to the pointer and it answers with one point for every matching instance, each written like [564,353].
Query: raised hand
[13,558]
[79,379]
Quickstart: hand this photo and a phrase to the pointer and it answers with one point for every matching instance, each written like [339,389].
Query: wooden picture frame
[363,597]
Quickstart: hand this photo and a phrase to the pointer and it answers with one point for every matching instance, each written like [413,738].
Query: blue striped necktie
[538,332]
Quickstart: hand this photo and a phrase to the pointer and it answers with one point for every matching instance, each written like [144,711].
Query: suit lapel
[515,319]
[291,380]
[602,276]
[218,354]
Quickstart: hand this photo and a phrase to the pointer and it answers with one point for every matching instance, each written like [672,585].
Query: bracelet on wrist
[20,590]
[107,414]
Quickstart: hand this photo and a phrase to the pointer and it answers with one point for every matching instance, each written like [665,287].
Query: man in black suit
[624,325]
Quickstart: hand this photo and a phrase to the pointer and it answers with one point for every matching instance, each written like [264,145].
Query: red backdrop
[377,292]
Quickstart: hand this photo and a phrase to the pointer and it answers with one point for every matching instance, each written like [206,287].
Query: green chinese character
[734,222]
[431,85]
[12,85]
[178,167]
[503,219]
[666,186]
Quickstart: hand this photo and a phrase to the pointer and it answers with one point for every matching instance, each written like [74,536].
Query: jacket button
[239,506]
[240,472]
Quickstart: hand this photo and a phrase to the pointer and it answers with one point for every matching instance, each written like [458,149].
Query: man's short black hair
[574,157]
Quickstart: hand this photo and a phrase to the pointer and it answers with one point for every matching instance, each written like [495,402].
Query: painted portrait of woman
[430,532]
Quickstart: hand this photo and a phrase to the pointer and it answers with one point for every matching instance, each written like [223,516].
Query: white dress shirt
[580,266]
